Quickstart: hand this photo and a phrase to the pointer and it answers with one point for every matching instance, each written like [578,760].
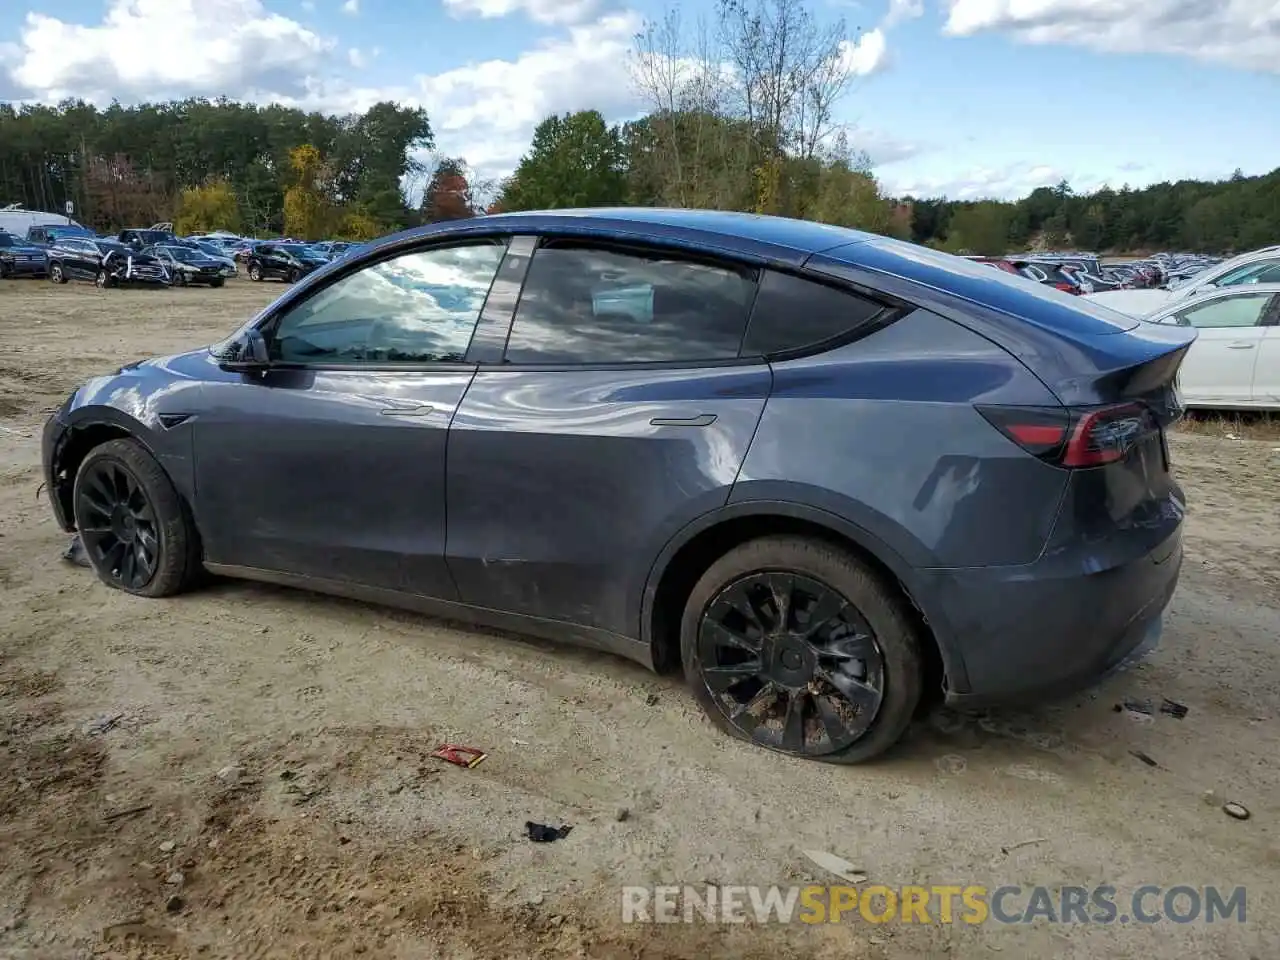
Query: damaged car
[825,475]
[107,263]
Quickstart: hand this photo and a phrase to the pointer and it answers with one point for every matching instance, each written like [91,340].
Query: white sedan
[1234,363]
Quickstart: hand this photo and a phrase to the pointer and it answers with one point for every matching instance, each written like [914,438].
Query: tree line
[760,137]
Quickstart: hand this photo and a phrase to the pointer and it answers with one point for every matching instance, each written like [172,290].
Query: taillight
[1065,287]
[1086,437]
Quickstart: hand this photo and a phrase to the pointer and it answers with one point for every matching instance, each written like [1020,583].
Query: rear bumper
[1056,626]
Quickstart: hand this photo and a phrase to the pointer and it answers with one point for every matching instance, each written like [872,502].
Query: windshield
[58,233]
[210,248]
[298,250]
[106,246]
[185,254]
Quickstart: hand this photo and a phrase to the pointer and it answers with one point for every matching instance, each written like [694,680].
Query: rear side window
[793,314]
[584,304]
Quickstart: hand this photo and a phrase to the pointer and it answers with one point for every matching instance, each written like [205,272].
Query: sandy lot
[265,789]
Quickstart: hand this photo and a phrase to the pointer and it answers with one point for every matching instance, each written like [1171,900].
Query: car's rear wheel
[798,646]
[295,275]
[135,529]
[255,272]
[55,273]
[179,278]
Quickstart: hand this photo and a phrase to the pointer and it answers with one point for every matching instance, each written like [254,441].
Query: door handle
[701,420]
[418,411]
[1240,345]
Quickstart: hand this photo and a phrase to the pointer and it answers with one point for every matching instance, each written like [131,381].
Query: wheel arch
[700,543]
[84,433]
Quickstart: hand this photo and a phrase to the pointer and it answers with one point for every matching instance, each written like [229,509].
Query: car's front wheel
[255,272]
[135,529]
[798,646]
[103,280]
[55,273]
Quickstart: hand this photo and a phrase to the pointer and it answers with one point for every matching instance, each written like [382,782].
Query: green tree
[575,160]
[212,206]
[981,228]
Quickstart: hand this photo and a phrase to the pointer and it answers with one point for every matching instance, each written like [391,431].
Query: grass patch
[1242,425]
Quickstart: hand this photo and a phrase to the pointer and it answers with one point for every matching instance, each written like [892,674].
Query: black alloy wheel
[118,524]
[797,645]
[792,663]
[137,532]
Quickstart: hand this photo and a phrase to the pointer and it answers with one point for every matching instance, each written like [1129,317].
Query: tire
[875,623]
[177,559]
[179,279]
[55,273]
[255,272]
[295,275]
[103,280]
[216,283]
[4,272]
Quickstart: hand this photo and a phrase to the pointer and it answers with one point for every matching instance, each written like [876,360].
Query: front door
[1218,369]
[618,414]
[332,465]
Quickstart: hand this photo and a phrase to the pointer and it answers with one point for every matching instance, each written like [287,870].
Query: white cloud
[163,48]
[356,58]
[900,10]
[351,6]
[983,183]
[866,55]
[1241,33]
[543,11]
[308,5]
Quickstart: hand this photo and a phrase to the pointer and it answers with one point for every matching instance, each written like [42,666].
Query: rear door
[332,464]
[615,413]
[1219,368]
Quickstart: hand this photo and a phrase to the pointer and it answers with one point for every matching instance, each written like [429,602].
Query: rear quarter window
[793,314]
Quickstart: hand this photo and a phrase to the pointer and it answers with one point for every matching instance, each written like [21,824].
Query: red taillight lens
[1089,437]
[1107,434]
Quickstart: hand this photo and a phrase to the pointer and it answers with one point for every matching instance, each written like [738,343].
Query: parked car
[46,235]
[107,263]
[1049,274]
[214,252]
[1257,266]
[332,249]
[139,238]
[19,221]
[187,266]
[1234,363]
[21,259]
[283,261]
[819,470]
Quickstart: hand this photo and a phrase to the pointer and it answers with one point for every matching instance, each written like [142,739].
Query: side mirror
[244,353]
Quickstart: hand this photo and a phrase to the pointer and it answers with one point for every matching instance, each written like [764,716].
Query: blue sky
[962,97]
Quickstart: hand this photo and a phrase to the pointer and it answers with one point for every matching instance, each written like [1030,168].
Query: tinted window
[417,308]
[1242,311]
[596,305]
[791,314]
[1266,272]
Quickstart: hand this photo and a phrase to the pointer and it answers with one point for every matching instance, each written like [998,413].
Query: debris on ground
[541,833]
[836,865]
[1173,708]
[1237,811]
[230,775]
[76,554]
[1134,706]
[621,814]
[167,846]
[651,700]
[460,756]
[174,903]
[1022,843]
[127,812]
[100,726]
[1145,758]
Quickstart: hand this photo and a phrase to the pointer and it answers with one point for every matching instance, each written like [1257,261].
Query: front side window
[1242,311]
[415,308]
[584,304]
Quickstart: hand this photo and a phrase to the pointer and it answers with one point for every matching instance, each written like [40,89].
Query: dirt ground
[262,787]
